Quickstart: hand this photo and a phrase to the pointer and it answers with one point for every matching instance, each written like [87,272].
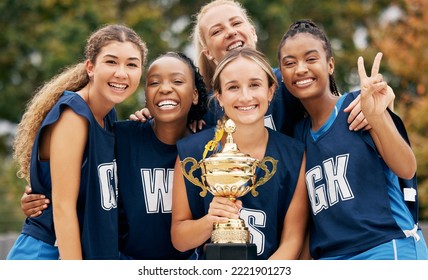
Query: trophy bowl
[230,174]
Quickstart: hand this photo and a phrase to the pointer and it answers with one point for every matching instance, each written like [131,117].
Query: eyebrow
[129,58]
[230,19]
[306,53]
[176,73]
[235,81]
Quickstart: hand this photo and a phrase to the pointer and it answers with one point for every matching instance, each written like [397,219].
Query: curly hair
[196,110]
[72,78]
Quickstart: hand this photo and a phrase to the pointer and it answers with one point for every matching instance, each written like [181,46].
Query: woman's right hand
[221,209]
[33,204]
[142,115]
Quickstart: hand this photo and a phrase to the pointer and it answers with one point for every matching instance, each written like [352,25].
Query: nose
[245,94]
[165,88]
[302,67]
[120,72]
[231,31]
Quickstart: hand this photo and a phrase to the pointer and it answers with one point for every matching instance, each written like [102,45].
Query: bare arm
[66,152]
[375,95]
[187,233]
[295,222]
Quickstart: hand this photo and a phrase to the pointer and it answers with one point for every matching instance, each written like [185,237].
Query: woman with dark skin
[354,216]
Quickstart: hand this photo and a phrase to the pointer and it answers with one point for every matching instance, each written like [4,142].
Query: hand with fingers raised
[375,93]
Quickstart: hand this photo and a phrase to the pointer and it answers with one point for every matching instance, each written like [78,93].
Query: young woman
[65,148]
[277,217]
[363,206]
[146,154]
[224,25]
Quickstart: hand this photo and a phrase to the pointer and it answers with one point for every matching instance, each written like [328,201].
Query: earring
[222,109]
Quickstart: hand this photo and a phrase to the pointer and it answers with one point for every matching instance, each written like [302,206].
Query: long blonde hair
[206,66]
[72,78]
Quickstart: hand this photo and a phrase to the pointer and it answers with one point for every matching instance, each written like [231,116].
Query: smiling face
[304,66]
[116,73]
[224,28]
[245,95]
[170,89]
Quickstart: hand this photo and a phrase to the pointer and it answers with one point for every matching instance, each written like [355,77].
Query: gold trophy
[230,174]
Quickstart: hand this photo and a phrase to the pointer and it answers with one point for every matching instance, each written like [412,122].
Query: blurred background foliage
[40,37]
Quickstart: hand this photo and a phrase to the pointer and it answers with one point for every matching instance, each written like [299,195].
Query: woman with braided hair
[361,185]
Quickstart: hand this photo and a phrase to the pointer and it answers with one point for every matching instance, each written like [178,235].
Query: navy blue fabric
[347,188]
[145,173]
[263,214]
[96,205]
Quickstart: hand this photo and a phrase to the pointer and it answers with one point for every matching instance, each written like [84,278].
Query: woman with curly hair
[146,153]
[65,150]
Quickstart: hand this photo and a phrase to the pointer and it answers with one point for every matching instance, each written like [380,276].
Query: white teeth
[235,45]
[118,86]
[247,108]
[304,82]
[167,103]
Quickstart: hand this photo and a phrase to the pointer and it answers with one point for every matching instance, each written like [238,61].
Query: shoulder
[301,128]
[285,139]
[349,96]
[200,137]
[128,124]
[195,144]
[75,102]
[127,129]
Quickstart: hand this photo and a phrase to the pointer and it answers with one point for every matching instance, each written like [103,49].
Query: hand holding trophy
[230,174]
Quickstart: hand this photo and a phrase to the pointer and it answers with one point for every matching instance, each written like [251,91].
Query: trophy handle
[268,174]
[189,176]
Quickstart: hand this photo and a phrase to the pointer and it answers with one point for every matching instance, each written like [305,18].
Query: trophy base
[230,251]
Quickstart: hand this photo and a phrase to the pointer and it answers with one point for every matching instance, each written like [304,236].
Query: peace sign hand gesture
[375,93]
